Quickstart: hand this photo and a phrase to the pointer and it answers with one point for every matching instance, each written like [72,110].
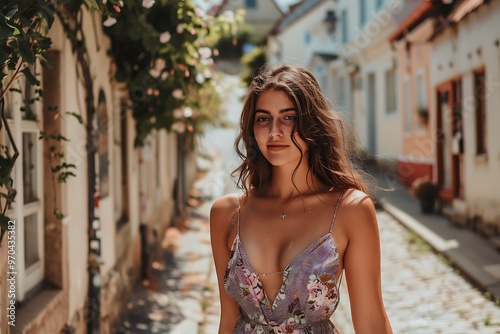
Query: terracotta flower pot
[423,120]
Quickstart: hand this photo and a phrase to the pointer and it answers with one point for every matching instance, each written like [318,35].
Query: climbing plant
[23,43]
[167,62]
[162,50]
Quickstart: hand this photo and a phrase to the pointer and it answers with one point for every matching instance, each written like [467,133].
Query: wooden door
[450,140]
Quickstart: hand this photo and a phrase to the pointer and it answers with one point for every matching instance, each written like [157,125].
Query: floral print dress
[306,300]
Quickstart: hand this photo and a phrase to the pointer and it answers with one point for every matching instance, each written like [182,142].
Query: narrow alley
[422,292]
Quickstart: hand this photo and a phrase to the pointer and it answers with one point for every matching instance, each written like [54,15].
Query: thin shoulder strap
[340,279]
[238,223]
[335,212]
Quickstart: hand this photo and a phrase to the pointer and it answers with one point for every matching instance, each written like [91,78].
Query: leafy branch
[163,51]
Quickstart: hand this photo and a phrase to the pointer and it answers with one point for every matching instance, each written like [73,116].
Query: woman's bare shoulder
[358,208]
[355,197]
[226,202]
[223,218]
[223,208]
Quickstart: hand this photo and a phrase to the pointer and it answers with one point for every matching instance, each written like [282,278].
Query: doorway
[450,143]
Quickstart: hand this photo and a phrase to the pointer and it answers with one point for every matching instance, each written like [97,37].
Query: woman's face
[274,122]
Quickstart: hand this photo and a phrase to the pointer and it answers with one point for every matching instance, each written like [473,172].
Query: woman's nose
[276,129]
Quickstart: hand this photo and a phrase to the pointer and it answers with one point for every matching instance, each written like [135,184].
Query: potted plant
[423,115]
[426,192]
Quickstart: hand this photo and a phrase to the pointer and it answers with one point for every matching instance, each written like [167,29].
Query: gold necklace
[283,213]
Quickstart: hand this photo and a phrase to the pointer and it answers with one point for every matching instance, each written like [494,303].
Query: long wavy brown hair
[317,124]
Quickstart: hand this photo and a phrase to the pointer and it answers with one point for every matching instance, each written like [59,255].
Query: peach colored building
[418,121]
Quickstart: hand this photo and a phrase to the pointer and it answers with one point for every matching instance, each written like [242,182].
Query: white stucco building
[301,33]
[364,77]
[465,75]
[261,15]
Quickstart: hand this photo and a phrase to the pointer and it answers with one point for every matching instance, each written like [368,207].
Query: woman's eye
[262,119]
[290,118]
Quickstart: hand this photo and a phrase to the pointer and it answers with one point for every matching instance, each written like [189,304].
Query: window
[480,111]
[390,90]
[27,210]
[341,90]
[120,180]
[28,110]
[421,90]
[362,12]
[251,3]
[422,104]
[408,109]
[29,155]
[307,38]
[345,32]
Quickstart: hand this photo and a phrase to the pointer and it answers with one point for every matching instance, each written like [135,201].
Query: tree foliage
[166,62]
[252,61]
[162,51]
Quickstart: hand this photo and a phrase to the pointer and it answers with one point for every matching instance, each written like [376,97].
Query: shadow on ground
[170,300]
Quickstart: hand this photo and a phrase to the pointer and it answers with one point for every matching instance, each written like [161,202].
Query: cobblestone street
[422,293]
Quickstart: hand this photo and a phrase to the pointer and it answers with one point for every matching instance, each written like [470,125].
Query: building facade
[416,99]
[134,201]
[259,14]
[301,34]
[417,83]
[465,76]
[365,77]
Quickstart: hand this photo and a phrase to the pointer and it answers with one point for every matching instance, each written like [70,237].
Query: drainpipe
[94,247]
[143,231]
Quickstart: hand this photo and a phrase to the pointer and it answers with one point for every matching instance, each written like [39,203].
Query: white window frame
[26,278]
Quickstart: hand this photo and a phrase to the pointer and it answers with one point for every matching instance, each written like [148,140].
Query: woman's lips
[276,148]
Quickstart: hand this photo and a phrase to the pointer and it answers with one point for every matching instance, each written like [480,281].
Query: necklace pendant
[283,215]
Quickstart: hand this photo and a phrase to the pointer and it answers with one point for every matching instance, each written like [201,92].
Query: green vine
[163,51]
[167,63]
[23,42]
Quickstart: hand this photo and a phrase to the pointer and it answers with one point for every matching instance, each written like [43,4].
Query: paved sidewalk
[468,251]
[171,300]
[177,298]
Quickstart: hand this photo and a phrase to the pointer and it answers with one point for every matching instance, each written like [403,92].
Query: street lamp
[330,21]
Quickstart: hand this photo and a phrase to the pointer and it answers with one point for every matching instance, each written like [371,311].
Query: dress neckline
[314,244]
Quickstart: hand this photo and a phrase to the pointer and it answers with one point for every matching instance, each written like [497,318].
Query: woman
[304,218]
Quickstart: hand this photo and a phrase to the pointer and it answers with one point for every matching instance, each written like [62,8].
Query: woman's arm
[362,266]
[220,230]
